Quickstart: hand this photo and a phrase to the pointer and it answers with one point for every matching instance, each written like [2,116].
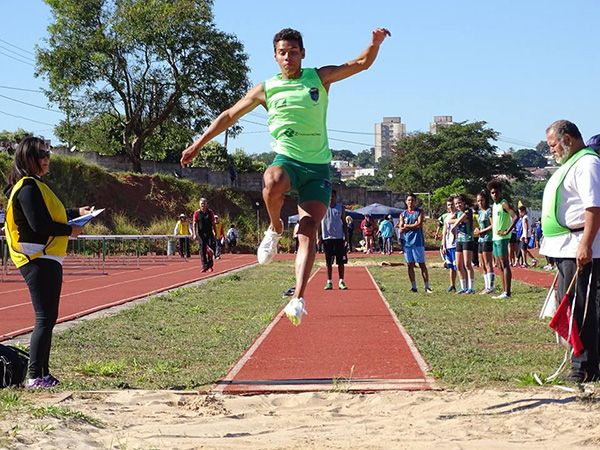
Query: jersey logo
[314,94]
[289,132]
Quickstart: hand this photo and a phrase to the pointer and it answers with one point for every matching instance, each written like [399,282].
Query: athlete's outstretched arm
[331,74]
[254,97]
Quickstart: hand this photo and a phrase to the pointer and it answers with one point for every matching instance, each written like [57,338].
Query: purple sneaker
[50,379]
[46,382]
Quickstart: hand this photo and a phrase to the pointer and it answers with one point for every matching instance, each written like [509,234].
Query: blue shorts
[414,255]
[450,258]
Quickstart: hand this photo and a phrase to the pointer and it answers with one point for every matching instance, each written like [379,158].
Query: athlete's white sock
[470,281]
[486,279]
[462,285]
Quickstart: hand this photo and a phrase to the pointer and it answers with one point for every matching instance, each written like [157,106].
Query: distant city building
[368,172]
[338,164]
[386,135]
[439,121]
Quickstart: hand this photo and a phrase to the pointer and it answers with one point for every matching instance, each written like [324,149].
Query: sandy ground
[531,419]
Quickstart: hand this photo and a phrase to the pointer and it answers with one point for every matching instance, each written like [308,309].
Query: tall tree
[143,62]
[343,155]
[425,162]
[543,148]
[365,158]
[528,157]
[214,156]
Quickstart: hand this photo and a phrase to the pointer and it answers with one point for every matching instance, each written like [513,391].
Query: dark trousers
[206,251]
[44,280]
[588,330]
[184,247]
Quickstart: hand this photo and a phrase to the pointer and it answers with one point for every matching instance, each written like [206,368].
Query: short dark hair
[562,127]
[522,208]
[495,184]
[27,159]
[450,199]
[288,34]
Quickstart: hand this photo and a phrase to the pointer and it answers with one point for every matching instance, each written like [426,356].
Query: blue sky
[516,65]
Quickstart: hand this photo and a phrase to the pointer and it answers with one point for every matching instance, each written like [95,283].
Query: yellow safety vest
[182,229]
[56,245]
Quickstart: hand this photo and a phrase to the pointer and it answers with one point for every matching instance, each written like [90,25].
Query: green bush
[124,225]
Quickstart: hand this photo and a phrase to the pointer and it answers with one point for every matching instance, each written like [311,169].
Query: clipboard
[82,220]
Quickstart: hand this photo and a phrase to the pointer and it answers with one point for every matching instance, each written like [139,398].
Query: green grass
[474,341]
[189,338]
[185,339]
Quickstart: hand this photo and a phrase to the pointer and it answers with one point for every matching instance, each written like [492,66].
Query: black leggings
[206,244]
[44,279]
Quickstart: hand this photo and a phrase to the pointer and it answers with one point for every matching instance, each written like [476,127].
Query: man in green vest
[296,101]
[570,222]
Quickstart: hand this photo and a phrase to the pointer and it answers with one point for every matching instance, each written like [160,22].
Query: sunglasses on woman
[42,153]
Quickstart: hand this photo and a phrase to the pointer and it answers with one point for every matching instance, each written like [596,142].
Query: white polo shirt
[580,190]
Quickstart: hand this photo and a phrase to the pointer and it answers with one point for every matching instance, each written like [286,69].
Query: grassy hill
[146,204]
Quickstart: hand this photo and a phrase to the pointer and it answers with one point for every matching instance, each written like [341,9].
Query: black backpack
[13,365]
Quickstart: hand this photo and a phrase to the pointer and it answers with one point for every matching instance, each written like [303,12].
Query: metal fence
[101,252]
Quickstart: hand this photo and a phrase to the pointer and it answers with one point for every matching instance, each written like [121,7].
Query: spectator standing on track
[485,245]
[232,237]
[183,229]
[386,231]
[411,225]
[463,225]
[524,238]
[571,220]
[203,229]
[349,232]
[219,237]
[449,242]
[37,235]
[332,233]
[367,226]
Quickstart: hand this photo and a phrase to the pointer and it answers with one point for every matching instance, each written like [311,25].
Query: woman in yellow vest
[37,235]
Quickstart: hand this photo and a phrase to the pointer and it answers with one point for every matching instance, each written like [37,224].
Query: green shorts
[310,181]
[500,248]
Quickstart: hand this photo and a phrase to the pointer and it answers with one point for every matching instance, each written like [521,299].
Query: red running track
[86,290]
[350,340]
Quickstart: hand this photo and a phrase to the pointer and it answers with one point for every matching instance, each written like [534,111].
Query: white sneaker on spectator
[294,310]
[268,247]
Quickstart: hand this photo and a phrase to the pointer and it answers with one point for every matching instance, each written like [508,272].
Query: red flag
[560,324]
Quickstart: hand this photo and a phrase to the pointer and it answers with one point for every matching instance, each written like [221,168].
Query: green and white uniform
[297,110]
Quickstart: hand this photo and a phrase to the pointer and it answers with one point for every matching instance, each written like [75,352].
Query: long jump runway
[349,341]
[87,290]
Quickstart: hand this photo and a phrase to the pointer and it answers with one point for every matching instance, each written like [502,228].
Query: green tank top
[501,221]
[297,111]
[550,224]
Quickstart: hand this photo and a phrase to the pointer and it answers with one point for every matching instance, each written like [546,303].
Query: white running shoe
[268,247]
[294,310]
[503,296]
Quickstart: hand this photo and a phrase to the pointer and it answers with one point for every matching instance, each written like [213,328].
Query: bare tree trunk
[133,150]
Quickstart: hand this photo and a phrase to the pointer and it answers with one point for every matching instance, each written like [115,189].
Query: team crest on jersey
[314,94]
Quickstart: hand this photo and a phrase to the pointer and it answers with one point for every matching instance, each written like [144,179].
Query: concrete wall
[244,181]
